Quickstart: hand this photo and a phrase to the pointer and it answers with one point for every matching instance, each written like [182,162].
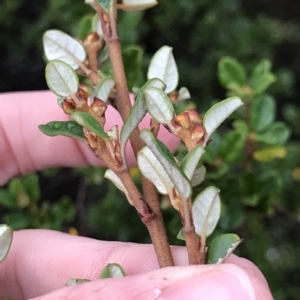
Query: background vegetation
[261,200]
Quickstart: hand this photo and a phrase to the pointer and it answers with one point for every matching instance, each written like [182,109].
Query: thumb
[222,282]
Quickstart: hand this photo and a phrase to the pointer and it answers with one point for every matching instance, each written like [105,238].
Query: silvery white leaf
[198,176]
[190,161]
[159,105]
[163,66]
[61,78]
[6,235]
[206,211]
[136,5]
[154,171]
[220,112]
[104,88]
[183,94]
[61,46]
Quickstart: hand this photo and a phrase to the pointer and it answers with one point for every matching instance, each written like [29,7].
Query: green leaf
[61,46]
[262,113]
[76,281]
[154,171]
[277,134]
[85,26]
[159,105]
[105,4]
[7,200]
[231,72]
[261,77]
[177,177]
[190,161]
[241,127]
[67,128]
[6,236]
[138,110]
[198,176]
[88,121]
[220,112]
[206,211]
[221,247]
[112,271]
[180,235]
[133,63]
[61,78]
[163,66]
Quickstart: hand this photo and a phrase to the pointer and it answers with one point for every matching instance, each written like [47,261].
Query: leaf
[106,5]
[180,235]
[219,112]
[163,66]
[112,271]
[6,235]
[7,199]
[269,154]
[190,161]
[104,88]
[68,128]
[88,121]
[261,77]
[112,176]
[206,211]
[61,46]
[183,94]
[198,176]
[76,281]
[231,72]
[154,171]
[139,110]
[179,180]
[221,247]
[262,113]
[159,105]
[277,134]
[61,78]
[136,5]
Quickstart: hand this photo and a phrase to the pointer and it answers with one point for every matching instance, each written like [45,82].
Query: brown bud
[173,97]
[198,133]
[91,138]
[83,93]
[194,116]
[182,120]
[68,105]
[93,42]
[98,107]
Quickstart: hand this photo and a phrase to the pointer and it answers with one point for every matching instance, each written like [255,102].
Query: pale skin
[41,262]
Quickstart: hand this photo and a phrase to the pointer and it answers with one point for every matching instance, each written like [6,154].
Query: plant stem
[154,221]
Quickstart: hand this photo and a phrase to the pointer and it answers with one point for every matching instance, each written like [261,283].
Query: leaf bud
[182,120]
[83,93]
[198,133]
[98,107]
[194,116]
[68,105]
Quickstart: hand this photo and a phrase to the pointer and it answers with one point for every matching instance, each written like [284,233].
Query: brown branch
[155,223]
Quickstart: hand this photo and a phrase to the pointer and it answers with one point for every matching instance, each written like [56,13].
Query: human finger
[24,148]
[41,261]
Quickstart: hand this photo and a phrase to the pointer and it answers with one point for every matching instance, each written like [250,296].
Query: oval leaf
[68,128]
[136,5]
[88,121]
[112,271]
[61,78]
[206,211]
[221,247]
[112,176]
[163,66]
[219,112]
[6,235]
[270,153]
[159,105]
[231,72]
[154,171]
[177,177]
[59,45]
[183,94]
[262,113]
[190,161]
[104,88]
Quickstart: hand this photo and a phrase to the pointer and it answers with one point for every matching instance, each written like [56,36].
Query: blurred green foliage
[254,159]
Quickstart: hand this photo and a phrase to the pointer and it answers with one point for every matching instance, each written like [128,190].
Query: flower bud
[182,120]
[194,116]
[198,133]
[68,105]
[98,107]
